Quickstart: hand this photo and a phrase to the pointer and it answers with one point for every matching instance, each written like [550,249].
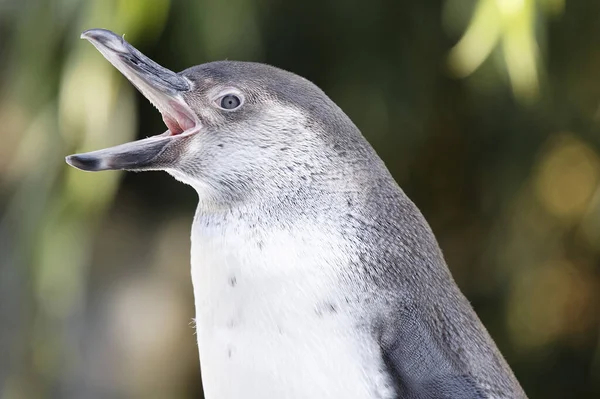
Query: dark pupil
[230,102]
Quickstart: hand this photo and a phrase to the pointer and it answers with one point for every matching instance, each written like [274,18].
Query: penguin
[314,275]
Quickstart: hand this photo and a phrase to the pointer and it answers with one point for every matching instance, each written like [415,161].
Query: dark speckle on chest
[325,308]
[232,281]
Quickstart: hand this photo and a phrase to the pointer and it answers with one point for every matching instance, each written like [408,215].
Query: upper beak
[162,87]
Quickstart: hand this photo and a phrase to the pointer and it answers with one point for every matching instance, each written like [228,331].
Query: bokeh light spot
[567,177]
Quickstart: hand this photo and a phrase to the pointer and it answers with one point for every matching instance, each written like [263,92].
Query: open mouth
[165,89]
[181,123]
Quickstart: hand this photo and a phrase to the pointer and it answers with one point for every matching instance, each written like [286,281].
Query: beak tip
[90,34]
[105,38]
[84,162]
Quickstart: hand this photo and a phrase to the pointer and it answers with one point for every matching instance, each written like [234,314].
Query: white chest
[271,317]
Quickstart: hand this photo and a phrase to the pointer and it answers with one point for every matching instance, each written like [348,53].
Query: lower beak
[162,87]
[143,154]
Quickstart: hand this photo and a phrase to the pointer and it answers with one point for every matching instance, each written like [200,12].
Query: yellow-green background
[486,111]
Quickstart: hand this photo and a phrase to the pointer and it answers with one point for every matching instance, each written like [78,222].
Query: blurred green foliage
[486,111]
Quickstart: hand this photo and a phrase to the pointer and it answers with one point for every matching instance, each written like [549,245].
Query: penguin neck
[276,202]
[288,224]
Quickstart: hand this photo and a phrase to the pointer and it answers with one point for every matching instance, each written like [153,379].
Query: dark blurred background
[486,111]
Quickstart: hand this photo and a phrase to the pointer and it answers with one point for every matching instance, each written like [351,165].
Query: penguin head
[235,129]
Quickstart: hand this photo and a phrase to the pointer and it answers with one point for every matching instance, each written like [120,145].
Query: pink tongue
[172,125]
[179,125]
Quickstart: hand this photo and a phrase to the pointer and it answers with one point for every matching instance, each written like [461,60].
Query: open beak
[162,87]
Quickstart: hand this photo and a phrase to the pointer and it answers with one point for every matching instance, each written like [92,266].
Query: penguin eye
[230,101]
